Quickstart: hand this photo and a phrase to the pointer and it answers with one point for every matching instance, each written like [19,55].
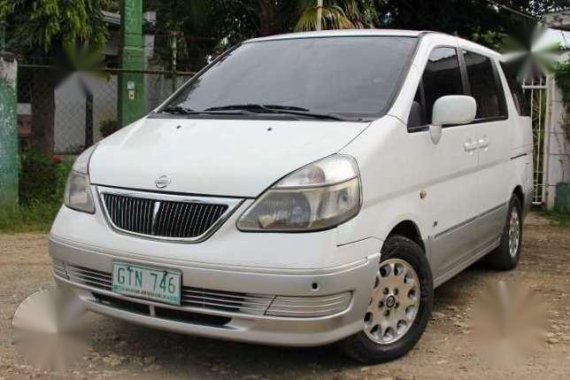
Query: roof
[478,48]
[557,20]
[111,18]
[342,33]
[375,32]
[114,19]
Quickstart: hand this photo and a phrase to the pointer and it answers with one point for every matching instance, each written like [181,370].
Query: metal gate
[536,93]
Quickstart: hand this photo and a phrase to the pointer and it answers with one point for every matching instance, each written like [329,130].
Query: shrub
[108,127]
[42,178]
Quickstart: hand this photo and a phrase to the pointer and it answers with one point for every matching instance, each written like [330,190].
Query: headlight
[78,191]
[318,196]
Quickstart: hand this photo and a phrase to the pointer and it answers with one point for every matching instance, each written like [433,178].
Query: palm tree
[336,14]
[278,16]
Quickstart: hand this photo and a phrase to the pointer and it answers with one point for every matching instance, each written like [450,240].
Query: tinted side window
[485,87]
[510,71]
[441,77]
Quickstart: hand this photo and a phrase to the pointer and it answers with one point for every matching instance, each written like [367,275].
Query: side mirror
[451,109]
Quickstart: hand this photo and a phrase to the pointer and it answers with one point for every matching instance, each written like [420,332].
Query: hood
[238,158]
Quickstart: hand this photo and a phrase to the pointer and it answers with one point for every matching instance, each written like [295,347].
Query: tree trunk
[43,110]
[267,17]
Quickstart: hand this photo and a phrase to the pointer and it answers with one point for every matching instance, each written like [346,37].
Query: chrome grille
[89,277]
[59,268]
[131,214]
[226,301]
[165,216]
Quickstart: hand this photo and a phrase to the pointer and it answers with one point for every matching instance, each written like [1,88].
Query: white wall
[557,157]
[70,108]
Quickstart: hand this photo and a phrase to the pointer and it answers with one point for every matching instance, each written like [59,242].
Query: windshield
[351,76]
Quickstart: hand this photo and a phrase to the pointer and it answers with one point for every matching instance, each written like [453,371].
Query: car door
[452,192]
[493,129]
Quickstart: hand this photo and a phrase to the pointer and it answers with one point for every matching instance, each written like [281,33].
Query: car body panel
[241,159]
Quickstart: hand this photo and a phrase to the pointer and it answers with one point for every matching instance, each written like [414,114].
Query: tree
[51,32]
[339,14]
[205,28]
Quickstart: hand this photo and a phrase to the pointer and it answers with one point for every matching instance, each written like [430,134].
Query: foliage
[37,217]
[42,178]
[559,218]
[562,76]
[42,184]
[472,19]
[339,14]
[66,33]
[112,6]
[108,127]
[197,28]
[205,28]
[45,29]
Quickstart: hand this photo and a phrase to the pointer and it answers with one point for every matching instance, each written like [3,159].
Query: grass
[34,218]
[560,218]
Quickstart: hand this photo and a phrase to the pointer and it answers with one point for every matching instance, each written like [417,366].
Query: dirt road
[446,351]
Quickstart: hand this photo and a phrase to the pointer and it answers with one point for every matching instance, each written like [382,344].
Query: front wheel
[400,304]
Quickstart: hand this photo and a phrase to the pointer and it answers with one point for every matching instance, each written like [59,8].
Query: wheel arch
[518,191]
[409,229]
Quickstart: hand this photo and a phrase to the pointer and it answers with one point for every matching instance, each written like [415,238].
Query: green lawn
[562,219]
[34,218]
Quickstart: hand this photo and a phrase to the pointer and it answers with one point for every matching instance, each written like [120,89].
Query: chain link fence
[83,106]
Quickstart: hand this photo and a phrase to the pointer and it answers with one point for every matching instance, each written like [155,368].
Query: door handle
[483,143]
[469,146]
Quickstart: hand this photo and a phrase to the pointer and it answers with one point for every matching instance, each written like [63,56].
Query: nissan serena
[304,189]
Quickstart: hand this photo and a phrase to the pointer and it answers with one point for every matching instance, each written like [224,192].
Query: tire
[397,250]
[507,255]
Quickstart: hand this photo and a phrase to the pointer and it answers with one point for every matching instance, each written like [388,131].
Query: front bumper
[81,269]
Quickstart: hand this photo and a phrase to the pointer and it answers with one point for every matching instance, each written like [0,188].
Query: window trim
[425,127]
[521,109]
[503,108]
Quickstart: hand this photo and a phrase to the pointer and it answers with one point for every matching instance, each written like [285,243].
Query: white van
[304,189]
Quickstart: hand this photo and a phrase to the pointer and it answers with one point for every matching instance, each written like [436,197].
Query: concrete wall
[70,105]
[70,108]
[557,149]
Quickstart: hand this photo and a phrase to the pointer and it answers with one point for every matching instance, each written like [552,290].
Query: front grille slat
[229,295]
[204,300]
[255,304]
[173,219]
[72,273]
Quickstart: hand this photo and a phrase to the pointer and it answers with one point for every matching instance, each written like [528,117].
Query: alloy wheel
[394,303]
[514,232]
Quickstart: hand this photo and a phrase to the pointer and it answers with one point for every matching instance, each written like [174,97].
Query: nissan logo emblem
[162,182]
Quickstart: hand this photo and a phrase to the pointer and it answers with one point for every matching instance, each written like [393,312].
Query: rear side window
[441,77]
[521,103]
[485,86]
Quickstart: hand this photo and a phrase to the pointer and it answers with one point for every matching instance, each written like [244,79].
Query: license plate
[151,283]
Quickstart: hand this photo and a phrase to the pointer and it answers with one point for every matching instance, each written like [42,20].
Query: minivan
[302,190]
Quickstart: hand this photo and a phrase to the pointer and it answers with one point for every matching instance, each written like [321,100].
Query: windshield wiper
[257,107]
[281,109]
[180,110]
